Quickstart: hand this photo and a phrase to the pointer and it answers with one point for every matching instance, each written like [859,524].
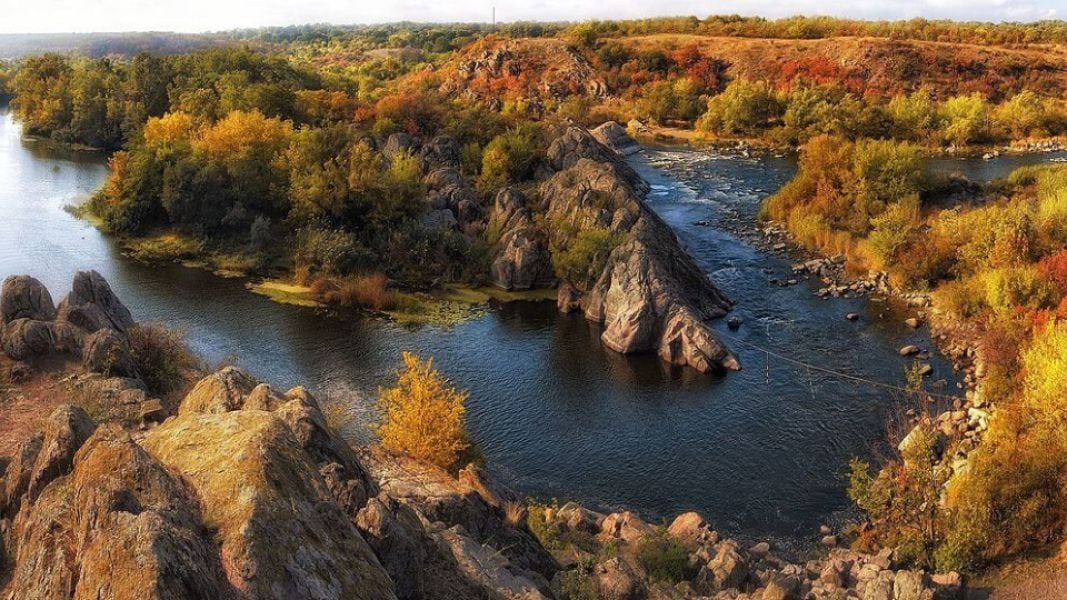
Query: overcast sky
[37,16]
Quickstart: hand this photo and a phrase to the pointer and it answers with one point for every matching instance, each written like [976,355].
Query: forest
[282,152]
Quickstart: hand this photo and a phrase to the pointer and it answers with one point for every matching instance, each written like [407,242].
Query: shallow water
[762,451]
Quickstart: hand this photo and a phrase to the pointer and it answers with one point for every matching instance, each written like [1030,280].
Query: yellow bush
[423,416]
[1017,286]
[1045,383]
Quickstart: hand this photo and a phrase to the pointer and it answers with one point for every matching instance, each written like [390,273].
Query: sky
[49,16]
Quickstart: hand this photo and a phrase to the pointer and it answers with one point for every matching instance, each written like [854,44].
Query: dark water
[760,451]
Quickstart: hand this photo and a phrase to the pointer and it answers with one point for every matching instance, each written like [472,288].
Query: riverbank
[243,450]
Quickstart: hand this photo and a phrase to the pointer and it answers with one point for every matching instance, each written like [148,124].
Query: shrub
[965,119]
[583,259]
[892,229]
[743,107]
[1054,269]
[664,559]
[1017,286]
[162,357]
[322,249]
[368,291]
[510,157]
[423,416]
[901,500]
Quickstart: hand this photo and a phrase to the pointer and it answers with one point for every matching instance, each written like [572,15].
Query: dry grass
[367,291]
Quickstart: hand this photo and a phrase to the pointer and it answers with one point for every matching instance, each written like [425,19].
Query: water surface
[762,451]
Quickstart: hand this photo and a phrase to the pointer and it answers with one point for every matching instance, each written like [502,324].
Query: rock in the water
[912,322]
[909,350]
[568,299]
[24,297]
[649,295]
[852,317]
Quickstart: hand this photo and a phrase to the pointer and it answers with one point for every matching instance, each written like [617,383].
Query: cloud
[204,15]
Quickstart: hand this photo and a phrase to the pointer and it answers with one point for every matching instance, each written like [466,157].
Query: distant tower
[494,17]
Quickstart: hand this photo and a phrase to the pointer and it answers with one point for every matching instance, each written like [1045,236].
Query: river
[762,451]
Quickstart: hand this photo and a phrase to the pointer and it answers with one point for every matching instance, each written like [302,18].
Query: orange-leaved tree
[423,415]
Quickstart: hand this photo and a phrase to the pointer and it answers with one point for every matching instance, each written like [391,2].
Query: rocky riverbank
[238,490]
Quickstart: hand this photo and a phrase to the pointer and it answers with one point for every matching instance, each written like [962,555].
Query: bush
[368,291]
[423,416]
[162,357]
[743,107]
[583,259]
[330,251]
[1018,286]
[510,157]
[664,559]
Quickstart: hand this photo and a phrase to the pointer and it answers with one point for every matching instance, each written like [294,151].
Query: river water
[762,451]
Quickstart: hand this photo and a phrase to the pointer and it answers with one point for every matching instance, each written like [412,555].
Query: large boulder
[448,189]
[400,143]
[614,136]
[227,390]
[442,151]
[116,525]
[25,339]
[649,294]
[23,297]
[279,533]
[91,305]
[106,351]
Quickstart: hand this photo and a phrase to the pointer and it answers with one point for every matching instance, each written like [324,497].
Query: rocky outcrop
[23,297]
[246,493]
[480,71]
[89,325]
[575,144]
[522,260]
[649,294]
[442,152]
[614,136]
[91,305]
[448,190]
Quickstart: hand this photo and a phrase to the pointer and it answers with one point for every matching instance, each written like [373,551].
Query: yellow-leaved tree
[423,415]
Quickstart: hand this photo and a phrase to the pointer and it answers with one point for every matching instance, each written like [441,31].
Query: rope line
[835,373]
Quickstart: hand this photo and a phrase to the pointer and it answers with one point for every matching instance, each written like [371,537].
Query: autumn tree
[423,415]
